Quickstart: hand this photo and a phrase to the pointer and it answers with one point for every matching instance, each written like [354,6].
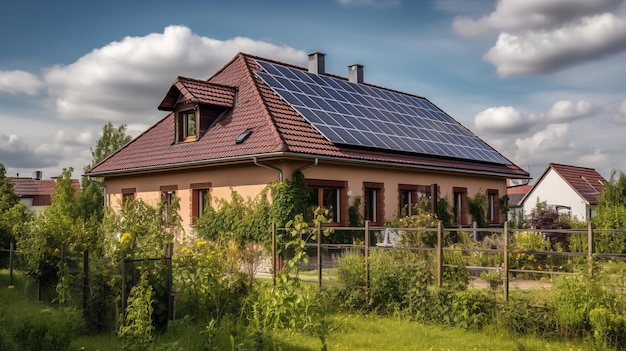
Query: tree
[91,199]
[112,139]
[13,214]
[611,211]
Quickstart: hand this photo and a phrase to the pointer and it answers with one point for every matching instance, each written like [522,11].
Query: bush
[351,274]
[209,281]
[520,317]
[609,330]
[51,330]
[574,297]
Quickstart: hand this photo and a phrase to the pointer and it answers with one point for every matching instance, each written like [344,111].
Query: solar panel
[361,115]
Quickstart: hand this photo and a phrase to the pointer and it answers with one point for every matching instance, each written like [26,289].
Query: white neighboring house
[568,189]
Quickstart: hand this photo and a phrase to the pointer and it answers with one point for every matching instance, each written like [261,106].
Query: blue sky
[541,81]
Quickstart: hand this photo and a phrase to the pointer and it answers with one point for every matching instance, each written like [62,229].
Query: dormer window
[188,123]
[197,105]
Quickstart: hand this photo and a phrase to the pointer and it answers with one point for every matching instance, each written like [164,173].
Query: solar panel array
[361,115]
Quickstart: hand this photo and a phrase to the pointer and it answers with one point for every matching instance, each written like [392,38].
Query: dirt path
[514,284]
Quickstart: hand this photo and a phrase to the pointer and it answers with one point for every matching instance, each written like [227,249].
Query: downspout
[280,171]
[307,166]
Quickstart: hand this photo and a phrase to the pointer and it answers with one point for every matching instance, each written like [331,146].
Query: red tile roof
[587,182]
[278,130]
[198,91]
[29,187]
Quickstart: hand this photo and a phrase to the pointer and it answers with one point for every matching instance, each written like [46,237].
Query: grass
[356,333]
[350,332]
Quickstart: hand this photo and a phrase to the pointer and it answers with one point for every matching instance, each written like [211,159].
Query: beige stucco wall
[249,179]
[391,177]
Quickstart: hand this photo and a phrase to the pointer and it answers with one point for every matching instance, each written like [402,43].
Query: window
[187,126]
[460,210]
[128,194]
[328,194]
[200,194]
[373,204]
[410,196]
[493,206]
[168,192]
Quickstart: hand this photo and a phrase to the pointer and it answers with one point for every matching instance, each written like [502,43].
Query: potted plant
[494,278]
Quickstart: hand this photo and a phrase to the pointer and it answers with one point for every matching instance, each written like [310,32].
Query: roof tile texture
[587,182]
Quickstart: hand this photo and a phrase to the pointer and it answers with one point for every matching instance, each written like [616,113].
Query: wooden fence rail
[439,250]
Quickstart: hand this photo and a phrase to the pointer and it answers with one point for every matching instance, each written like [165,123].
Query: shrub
[521,317]
[418,238]
[137,330]
[351,274]
[396,277]
[51,330]
[609,330]
[209,280]
[575,296]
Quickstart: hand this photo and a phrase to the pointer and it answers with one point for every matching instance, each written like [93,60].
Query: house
[257,121]
[516,191]
[35,192]
[569,190]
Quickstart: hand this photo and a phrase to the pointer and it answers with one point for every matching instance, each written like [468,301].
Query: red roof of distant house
[279,130]
[42,189]
[587,182]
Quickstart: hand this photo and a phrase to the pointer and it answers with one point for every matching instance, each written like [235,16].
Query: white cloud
[514,15]
[620,117]
[508,120]
[548,51]
[565,110]
[544,145]
[503,119]
[122,82]
[537,37]
[125,80]
[14,152]
[19,82]
[596,159]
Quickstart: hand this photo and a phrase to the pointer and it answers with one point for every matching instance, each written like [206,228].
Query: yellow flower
[11,286]
[201,243]
[126,238]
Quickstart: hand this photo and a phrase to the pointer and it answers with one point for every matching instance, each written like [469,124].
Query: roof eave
[237,159]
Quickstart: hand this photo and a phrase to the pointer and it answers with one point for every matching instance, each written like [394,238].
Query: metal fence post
[11,249]
[590,248]
[319,254]
[169,249]
[440,254]
[506,261]
[367,261]
[274,253]
[123,285]
[85,279]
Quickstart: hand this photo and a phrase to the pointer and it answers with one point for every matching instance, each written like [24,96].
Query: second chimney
[355,73]
[316,63]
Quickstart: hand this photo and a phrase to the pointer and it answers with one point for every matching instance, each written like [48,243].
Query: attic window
[188,126]
[243,136]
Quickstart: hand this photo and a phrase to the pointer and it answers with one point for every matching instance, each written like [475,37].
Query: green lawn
[350,332]
[360,333]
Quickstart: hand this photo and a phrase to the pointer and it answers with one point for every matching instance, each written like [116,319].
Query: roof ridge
[572,166]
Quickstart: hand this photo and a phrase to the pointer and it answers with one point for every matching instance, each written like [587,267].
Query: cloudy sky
[541,81]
